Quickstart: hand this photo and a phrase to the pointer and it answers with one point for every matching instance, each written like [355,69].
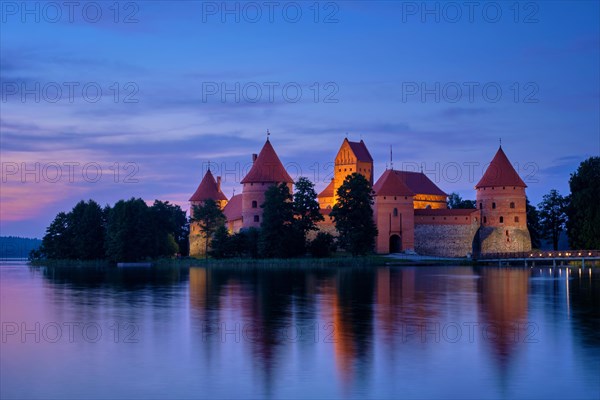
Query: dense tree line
[128,231]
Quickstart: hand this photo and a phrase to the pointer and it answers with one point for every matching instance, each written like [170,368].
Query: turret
[502,200]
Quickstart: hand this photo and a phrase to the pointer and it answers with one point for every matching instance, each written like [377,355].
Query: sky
[108,101]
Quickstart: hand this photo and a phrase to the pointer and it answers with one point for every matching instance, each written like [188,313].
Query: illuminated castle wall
[410,210]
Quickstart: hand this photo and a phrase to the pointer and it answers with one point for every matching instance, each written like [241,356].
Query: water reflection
[316,333]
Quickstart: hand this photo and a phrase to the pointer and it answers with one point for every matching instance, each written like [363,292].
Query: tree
[552,211]
[353,215]
[130,232]
[280,235]
[209,218]
[88,225]
[56,243]
[77,235]
[322,245]
[306,206]
[533,225]
[171,220]
[221,244]
[583,225]
[455,202]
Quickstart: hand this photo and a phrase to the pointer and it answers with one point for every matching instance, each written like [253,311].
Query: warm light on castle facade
[410,211]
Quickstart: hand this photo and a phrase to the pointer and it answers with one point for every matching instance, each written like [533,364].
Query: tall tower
[502,201]
[209,188]
[351,157]
[267,170]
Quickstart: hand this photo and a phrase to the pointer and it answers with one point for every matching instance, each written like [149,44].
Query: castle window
[394,197]
[501,220]
[254,204]
[485,220]
[516,219]
[256,218]
[395,212]
[512,204]
[384,197]
[480,205]
[339,170]
[405,197]
[444,218]
[507,232]
[493,205]
[503,187]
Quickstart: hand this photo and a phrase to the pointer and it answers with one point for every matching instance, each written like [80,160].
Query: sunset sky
[186,83]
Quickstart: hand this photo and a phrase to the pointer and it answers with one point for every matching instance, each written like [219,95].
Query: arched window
[516,219]
[485,220]
[512,204]
[493,205]
[501,220]
[256,218]
[395,212]
[480,205]
[254,204]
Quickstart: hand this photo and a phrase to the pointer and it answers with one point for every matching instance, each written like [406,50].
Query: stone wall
[451,240]
[503,240]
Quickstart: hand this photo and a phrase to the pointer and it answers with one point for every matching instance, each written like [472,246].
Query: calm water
[443,332]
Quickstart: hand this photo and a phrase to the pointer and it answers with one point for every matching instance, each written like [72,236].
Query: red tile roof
[445,212]
[208,189]
[267,168]
[500,173]
[391,184]
[328,191]
[419,183]
[360,151]
[233,209]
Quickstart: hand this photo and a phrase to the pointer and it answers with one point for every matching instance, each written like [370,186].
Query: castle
[410,211]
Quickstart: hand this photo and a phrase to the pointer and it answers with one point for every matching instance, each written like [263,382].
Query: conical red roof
[208,189]
[500,173]
[267,168]
[328,191]
[391,184]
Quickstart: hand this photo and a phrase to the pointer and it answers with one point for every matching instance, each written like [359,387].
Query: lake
[388,332]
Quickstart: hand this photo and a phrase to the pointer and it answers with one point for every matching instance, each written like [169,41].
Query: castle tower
[267,170]
[209,188]
[351,157]
[394,214]
[502,201]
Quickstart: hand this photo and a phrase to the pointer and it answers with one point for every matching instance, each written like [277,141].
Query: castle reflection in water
[355,314]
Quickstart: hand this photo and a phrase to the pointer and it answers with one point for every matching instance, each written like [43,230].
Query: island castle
[410,211]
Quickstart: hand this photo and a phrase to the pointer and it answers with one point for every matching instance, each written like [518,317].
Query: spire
[391,159]
[268,134]
[208,189]
[500,172]
[267,168]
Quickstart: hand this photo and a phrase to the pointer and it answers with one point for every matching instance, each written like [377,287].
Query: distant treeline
[17,247]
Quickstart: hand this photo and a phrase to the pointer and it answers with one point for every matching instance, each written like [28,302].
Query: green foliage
[353,215]
[130,235]
[222,244]
[533,225]
[76,235]
[323,245]
[306,206]
[280,235]
[553,217]
[209,218]
[170,219]
[456,202]
[583,224]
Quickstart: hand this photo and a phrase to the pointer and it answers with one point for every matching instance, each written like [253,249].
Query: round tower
[267,170]
[502,201]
